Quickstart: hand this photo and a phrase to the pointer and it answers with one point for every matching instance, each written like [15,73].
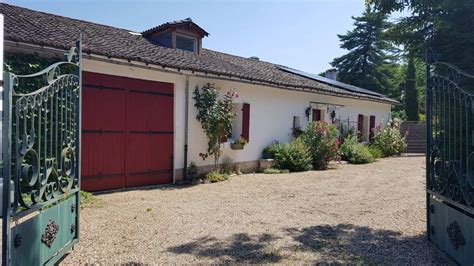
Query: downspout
[186,119]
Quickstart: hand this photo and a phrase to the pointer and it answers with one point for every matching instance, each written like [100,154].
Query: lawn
[372,213]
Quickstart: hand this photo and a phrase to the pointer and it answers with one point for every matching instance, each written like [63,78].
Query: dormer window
[186,43]
[182,35]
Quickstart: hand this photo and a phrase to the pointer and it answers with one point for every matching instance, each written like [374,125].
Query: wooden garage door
[127,132]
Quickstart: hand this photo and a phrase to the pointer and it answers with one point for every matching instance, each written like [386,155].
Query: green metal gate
[450,159]
[41,152]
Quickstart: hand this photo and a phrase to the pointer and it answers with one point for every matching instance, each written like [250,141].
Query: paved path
[371,213]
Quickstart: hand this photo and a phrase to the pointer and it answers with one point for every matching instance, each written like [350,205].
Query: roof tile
[34,27]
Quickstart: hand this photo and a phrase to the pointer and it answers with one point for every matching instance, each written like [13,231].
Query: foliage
[23,64]
[271,150]
[321,139]
[355,152]
[346,145]
[294,156]
[365,64]
[215,113]
[445,26]
[375,151]
[345,130]
[227,166]
[389,139]
[272,171]
[241,141]
[215,176]
[411,101]
[86,197]
[192,170]
[360,154]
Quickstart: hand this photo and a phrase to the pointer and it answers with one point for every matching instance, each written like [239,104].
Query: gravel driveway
[371,213]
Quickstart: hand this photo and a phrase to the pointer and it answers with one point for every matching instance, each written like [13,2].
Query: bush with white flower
[389,139]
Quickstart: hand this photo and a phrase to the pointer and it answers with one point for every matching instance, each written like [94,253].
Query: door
[127,132]
[316,115]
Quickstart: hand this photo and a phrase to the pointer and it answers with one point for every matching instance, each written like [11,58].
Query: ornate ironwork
[455,235]
[50,233]
[41,154]
[45,136]
[450,118]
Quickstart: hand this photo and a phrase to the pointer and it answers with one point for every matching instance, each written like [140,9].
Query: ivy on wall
[24,64]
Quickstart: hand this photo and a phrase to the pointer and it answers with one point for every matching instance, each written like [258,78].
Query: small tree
[215,113]
[412,107]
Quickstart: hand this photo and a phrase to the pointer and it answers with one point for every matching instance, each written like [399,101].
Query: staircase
[416,138]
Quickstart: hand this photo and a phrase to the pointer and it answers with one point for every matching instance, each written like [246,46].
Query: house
[139,125]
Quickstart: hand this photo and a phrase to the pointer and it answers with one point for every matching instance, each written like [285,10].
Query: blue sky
[299,33]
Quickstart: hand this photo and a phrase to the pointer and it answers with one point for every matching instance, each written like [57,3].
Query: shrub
[347,144]
[192,170]
[272,171]
[321,138]
[355,152]
[389,139]
[227,166]
[375,151]
[215,176]
[360,154]
[272,149]
[294,156]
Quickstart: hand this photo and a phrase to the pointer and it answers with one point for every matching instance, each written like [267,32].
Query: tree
[215,113]
[412,107]
[445,27]
[366,63]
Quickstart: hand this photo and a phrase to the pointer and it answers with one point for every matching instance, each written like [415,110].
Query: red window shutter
[372,126]
[246,121]
[316,115]
[360,126]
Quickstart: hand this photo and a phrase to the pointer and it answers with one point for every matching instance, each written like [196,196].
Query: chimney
[331,73]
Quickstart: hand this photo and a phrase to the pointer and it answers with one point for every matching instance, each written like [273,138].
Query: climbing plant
[215,113]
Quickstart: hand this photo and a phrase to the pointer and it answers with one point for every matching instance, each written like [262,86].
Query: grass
[88,199]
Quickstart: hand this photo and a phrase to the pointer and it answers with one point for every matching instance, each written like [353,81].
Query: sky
[297,33]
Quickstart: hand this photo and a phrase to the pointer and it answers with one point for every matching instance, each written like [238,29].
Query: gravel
[372,213]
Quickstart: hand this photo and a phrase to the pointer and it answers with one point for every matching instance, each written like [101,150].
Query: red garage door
[127,132]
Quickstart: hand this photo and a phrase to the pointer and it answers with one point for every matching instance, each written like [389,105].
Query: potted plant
[238,144]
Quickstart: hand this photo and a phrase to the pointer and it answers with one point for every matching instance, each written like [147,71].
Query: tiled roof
[34,27]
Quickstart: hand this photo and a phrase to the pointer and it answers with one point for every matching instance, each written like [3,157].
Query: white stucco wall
[271,110]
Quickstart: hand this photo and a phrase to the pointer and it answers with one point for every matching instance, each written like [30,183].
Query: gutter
[186,128]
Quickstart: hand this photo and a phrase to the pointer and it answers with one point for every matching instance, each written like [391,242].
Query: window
[185,43]
[241,123]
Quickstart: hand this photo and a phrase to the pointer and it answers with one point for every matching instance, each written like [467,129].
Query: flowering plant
[321,139]
[389,139]
[215,113]
[241,141]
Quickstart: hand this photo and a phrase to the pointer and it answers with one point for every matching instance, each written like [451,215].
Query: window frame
[195,42]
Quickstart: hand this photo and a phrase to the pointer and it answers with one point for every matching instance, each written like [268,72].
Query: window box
[236,146]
